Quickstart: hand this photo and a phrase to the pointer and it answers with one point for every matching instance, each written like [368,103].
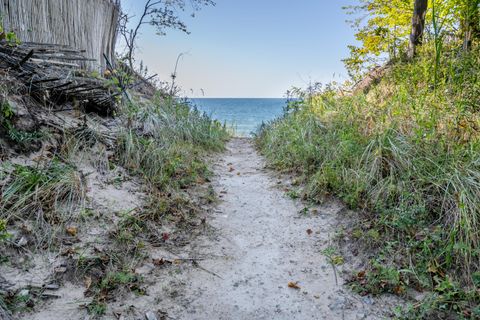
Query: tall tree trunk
[418,26]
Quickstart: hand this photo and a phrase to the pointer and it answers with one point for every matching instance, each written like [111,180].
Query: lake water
[243,115]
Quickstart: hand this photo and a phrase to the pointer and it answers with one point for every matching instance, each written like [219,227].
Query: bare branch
[162,15]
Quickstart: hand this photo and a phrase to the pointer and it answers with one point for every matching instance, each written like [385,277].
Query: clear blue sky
[252,48]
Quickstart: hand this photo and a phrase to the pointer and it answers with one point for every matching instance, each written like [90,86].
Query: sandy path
[263,241]
[243,265]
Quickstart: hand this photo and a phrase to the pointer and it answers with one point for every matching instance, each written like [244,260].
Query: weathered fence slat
[89,25]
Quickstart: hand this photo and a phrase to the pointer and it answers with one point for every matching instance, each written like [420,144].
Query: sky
[251,48]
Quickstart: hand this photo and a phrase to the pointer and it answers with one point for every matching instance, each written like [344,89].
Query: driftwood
[51,74]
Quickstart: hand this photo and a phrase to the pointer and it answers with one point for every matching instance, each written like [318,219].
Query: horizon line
[237,98]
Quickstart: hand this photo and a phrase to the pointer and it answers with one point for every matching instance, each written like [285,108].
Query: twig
[335,273]
[195,264]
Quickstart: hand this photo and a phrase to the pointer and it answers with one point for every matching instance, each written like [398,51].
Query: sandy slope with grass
[268,256]
[254,253]
[140,216]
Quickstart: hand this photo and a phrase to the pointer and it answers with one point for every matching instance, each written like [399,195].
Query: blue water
[243,115]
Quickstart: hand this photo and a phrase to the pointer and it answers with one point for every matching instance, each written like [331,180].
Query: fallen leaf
[399,290]
[293,285]
[87,282]
[165,236]
[432,268]
[160,262]
[337,260]
[231,169]
[72,231]
[309,231]
[69,252]
[27,228]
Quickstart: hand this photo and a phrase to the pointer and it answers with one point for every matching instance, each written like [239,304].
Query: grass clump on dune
[407,154]
[29,189]
[48,194]
[165,141]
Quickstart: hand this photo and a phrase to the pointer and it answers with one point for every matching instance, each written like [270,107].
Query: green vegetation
[383,29]
[3,230]
[23,139]
[103,290]
[402,149]
[9,36]
[29,189]
[406,155]
[164,141]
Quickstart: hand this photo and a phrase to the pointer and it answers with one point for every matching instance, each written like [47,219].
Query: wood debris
[52,75]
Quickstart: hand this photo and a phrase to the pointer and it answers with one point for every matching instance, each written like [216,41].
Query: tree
[382,29]
[418,26]
[160,14]
[469,21]
[386,28]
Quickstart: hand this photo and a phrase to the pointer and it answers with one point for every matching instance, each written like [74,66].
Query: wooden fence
[89,25]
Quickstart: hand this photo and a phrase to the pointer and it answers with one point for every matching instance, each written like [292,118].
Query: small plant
[4,235]
[333,257]
[10,37]
[97,308]
[21,301]
[21,138]
[127,232]
[7,111]
[293,194]
[115,280]
[380,279]
[103,289]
